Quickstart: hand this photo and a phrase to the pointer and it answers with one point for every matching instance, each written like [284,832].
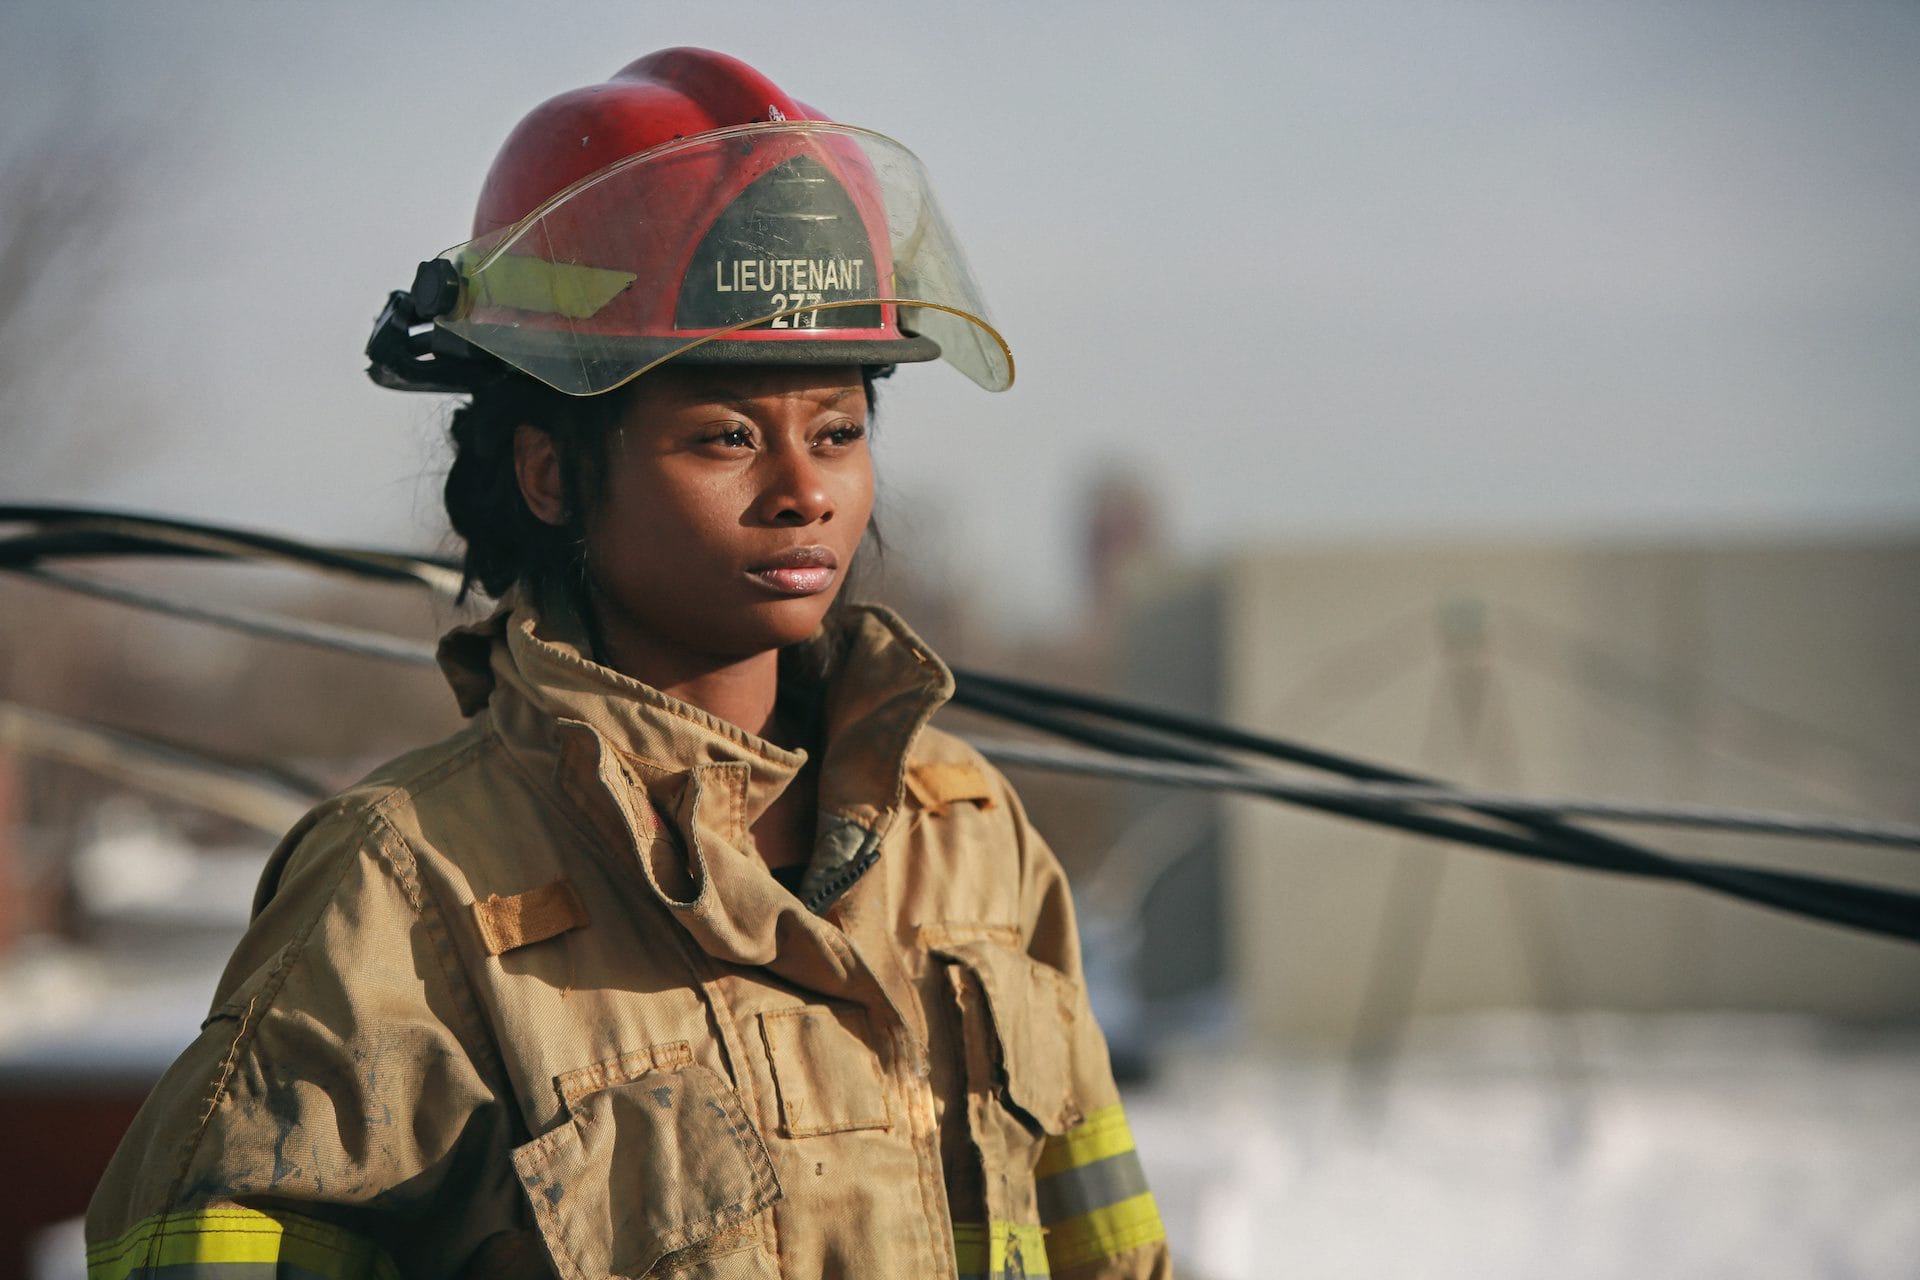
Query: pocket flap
[825,1072]
[1034,1008]
[642,1169]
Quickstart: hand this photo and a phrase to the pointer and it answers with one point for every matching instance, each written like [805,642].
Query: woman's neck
[742,692]
[746,693]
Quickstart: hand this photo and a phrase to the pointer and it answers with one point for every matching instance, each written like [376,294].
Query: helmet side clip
[408,352]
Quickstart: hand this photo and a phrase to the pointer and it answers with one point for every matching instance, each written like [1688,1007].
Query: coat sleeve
[337,1101]
[1099,1215]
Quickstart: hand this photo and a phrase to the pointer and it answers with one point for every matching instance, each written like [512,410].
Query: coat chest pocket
[658,1175]
[1019,1019]
[826,1075]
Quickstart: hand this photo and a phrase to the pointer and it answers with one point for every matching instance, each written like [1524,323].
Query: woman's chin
[766,627]
[788,622]
[716,628]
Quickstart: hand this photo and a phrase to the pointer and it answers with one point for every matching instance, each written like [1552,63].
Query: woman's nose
[796,492]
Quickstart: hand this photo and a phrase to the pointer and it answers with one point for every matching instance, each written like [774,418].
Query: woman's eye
[732,438]
[846,433]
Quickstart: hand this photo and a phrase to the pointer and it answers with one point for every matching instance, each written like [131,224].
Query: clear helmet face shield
[793,242]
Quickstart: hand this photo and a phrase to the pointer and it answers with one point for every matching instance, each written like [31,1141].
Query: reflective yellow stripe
[552,288]
[1105,1232]
[1092,1174]
[1103,1133]
[997,1250]
[215,1241]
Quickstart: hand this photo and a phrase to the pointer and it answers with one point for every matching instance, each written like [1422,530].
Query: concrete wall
[1781,677]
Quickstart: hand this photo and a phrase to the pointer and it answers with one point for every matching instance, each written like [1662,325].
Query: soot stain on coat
[283,1104]
[208,1186]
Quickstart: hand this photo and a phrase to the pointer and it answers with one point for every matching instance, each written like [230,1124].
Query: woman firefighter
[698,952]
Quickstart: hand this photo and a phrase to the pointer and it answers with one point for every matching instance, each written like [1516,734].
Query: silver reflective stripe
[1072,1192]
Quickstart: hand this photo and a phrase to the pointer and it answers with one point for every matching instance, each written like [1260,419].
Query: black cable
[386,565]
[27,549]
[1400,795]
[1168,735]
[1881,910]
[1891,912]
[1183,727]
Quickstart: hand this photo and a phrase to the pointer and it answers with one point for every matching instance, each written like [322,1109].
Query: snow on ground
[1509,1146]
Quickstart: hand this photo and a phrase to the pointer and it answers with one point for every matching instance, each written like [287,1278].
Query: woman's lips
[798,571]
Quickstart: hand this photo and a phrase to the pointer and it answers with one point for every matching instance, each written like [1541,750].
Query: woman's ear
[536,465]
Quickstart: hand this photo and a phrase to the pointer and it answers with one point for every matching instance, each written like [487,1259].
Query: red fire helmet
[688,209]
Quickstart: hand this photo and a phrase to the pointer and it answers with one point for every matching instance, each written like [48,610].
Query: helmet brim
[558,364]
[908,350]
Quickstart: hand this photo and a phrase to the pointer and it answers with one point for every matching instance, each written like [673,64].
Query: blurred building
[116,913]
[1776,675]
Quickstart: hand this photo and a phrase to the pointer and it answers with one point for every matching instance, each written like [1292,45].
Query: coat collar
[608,741]
[880,686]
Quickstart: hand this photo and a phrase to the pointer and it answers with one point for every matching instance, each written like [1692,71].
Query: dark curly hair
[506,544]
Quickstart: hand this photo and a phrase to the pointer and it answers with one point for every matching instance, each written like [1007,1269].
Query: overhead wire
[1714,723]
[1893,912]
[1659,687]
[1163,746]
[322,635]
[95,531]
[1172,774]
[1167,772]
[268,800]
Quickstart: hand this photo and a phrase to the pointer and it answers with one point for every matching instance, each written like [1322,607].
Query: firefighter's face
[733,501]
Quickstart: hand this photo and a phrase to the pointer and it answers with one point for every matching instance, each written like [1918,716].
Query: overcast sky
[1317,271]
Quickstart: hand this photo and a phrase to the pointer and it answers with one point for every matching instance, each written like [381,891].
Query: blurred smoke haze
[1274,274]
[1317,271]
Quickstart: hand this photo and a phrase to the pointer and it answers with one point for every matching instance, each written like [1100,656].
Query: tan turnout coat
[526,1001]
